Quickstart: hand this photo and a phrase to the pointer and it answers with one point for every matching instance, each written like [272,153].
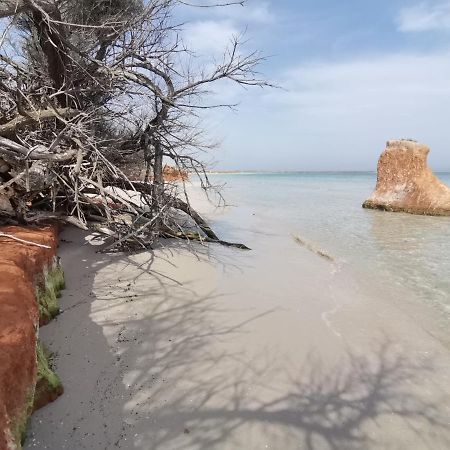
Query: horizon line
[233,171]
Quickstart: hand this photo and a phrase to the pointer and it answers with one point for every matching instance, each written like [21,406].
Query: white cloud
[365,83]
[425,16]
[213,29]
[339,115]
[209,36]
[254,11]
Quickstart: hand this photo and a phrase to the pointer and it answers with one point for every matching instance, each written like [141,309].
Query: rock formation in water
[406,183]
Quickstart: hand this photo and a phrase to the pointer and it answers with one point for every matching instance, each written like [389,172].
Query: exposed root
[23,241]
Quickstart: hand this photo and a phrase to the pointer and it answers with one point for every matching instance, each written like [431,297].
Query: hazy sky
[355,74]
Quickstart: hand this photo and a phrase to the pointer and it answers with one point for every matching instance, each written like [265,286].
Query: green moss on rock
[18,428]
[49,292]
[48,384]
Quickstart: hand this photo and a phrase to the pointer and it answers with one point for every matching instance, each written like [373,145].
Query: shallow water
[408,253]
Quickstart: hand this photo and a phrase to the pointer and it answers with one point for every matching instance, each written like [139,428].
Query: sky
[353,74]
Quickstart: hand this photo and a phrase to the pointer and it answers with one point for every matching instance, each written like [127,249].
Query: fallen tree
[89,86]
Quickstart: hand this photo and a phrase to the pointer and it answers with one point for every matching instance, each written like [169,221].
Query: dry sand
[271,349]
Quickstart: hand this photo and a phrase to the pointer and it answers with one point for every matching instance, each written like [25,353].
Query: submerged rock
[406,183]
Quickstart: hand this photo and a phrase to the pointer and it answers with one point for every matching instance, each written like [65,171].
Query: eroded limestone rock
[406,183]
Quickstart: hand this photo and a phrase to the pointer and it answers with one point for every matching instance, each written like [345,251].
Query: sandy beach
[276,348]
[283,168]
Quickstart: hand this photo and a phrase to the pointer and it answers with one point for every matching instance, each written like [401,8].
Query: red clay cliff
[406,183]
[21,267]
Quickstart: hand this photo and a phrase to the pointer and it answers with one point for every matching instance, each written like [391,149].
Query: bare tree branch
[93,87]
[9,129]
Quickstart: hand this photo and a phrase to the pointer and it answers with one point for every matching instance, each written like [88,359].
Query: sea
[406,255]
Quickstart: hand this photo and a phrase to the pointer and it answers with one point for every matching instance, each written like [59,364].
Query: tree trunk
[158,183]
[158,177]
[54,48]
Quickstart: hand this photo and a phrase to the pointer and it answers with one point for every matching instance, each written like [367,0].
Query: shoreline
[225,349]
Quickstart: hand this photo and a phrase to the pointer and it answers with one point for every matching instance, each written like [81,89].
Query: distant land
[285,171]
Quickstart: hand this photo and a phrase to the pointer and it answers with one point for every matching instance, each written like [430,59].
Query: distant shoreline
[287,172]
[294,172]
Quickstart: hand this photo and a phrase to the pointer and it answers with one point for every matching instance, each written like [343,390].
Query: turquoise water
[324,209]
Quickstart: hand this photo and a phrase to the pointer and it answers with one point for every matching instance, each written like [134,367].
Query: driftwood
[176,203]
[197,237]
[179,204]
[40,152]
[32,117]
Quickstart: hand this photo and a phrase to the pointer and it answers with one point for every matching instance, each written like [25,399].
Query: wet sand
[276,348]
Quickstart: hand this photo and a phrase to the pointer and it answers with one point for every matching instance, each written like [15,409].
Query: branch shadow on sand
[317,409]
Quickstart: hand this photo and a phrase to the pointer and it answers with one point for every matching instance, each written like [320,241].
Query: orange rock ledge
[26,273]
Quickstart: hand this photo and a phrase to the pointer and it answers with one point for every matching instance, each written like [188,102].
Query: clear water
[324,209]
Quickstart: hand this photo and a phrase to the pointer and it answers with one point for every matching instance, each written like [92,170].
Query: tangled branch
[97,88]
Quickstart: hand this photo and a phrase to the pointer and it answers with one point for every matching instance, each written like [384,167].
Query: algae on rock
[48,384]
[48,293]
[18,431]
[48,388]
